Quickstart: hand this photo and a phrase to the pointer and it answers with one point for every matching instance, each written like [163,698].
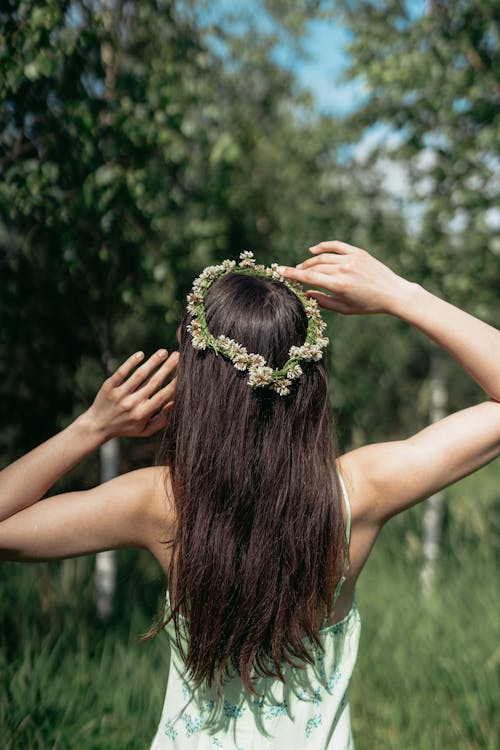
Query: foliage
[131,159]
[81,133]
[432,75]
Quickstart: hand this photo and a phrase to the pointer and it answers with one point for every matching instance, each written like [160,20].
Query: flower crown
[260,375]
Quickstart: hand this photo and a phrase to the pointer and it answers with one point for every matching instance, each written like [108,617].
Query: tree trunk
[109,456]
[105,563]
[434,506]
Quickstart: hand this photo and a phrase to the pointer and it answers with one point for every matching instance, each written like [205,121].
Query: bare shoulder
[147,493]
[365,524]
[146,496]
[154,492]
[146,488]
[354,467]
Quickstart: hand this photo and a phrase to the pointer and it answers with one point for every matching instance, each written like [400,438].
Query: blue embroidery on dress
[186,691]
[313,723]
[317,696]
[192,724]
[232,711]
[321,664]
[278,709]
[333,679]
[170,730]
[314,697]
[216,741]
[258,702]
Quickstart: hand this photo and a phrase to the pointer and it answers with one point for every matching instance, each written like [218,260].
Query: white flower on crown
[194,299]
[209,273]
[239,349]
[198,342]
[306,351]
[257,360]
[260,376]
[224,342]
[275,274]
[282,387]
[247,259]
[240,361]
[296,352]
[294,372]
[314,312]
[315,352]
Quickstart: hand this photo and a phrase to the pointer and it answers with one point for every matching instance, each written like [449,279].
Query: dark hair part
[260,537]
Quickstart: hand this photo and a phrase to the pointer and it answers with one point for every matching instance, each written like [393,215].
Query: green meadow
[428,674]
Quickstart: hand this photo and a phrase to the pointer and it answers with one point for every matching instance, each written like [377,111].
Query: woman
[260,530]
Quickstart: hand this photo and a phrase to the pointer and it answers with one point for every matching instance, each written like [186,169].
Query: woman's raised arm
[362,285]
[390,477]
[133,402]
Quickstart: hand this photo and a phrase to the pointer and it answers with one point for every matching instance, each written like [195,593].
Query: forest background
[141,141]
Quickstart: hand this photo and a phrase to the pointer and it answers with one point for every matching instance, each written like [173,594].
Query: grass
[428,674]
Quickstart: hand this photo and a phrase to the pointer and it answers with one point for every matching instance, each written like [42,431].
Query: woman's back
[310,707]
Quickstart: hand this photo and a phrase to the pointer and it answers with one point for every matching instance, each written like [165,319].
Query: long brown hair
[260,538]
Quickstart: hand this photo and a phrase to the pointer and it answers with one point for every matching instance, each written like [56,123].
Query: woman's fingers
[157,378]
[137,378]
[159,421]
[129,399]
[329,302]
[314,278]
[343,248]
[360,283]
[125,369]
[321,260]
[161,397]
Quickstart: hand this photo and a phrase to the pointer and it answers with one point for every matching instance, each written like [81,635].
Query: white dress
[309,710]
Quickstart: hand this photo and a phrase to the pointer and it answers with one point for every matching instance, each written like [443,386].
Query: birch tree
[432,78]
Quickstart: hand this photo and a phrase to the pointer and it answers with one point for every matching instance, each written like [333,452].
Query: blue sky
[327,59]
[319,70]
[325,43]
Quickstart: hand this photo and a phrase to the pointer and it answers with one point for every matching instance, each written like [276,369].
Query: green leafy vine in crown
[259,374]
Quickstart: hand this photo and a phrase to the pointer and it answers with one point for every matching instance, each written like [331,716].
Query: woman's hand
[360,283]
[135,403]
[132,402]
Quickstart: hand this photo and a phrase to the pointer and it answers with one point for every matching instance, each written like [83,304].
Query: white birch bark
[105,563]
[434,506]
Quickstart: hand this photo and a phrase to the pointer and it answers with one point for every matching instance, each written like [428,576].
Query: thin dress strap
[347,536]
